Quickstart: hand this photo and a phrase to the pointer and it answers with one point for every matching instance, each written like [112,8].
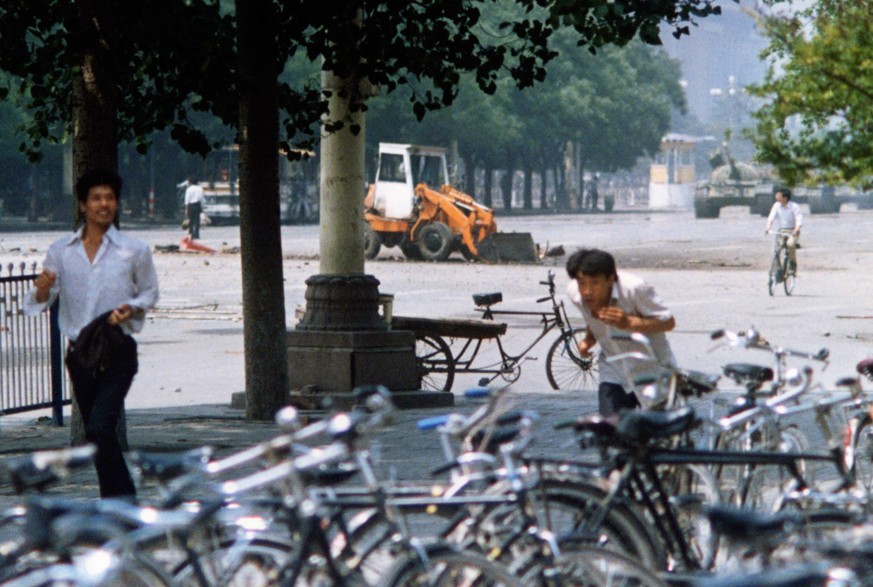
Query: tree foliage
[176,64]
[816,125]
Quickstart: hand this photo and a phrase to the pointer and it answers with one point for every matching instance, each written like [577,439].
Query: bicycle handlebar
[751,339]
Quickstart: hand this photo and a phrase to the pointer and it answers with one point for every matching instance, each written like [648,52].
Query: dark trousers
[194,219]
[613,399]
[100,396]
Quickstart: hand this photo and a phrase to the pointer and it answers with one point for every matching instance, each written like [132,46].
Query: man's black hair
[591,262]
[93,178]
[784,191]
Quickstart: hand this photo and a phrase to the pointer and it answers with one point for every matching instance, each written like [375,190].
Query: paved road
[710,272]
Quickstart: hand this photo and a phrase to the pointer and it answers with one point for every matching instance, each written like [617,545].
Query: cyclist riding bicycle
[787,219]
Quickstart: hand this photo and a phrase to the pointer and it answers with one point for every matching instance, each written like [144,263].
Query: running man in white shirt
[617,302]
[99,271]
[786,217]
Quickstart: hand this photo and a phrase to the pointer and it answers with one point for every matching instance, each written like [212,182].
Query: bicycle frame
[508,366]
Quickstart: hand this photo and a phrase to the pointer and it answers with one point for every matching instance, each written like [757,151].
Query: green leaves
[816,122]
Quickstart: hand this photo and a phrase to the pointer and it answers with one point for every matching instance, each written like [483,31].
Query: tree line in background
[604,111]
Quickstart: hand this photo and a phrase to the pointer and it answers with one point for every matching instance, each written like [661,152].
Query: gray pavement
[710,272]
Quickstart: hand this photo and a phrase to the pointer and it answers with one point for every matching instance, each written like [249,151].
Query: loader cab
[401,168]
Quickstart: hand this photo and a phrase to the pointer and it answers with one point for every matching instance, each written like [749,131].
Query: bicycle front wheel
[862,447]
[566,368]
[788,276]
[775,275]
[446,567]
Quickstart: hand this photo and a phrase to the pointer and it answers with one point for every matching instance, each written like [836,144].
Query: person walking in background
[193,207]
[104,281]
[787,218]
[614,302]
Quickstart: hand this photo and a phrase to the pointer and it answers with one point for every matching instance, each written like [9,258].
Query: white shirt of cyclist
[787,217]
[636,297]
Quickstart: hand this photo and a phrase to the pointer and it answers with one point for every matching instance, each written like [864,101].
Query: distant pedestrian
[193,207]
[104,281]
[593,194]
[615,302]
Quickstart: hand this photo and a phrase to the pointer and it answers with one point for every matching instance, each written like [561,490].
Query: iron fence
[32,376]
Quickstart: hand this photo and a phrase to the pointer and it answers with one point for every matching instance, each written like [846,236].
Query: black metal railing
[32,374]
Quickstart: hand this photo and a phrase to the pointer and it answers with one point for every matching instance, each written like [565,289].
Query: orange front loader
[430,224]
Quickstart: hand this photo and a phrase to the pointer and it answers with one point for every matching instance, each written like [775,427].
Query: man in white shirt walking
[787,218]
[193,207]
[96,272]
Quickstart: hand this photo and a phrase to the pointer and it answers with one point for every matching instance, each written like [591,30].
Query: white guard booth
[671,177]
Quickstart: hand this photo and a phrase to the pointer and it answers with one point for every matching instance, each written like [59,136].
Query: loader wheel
[410,251]
[372,242]
[435,241]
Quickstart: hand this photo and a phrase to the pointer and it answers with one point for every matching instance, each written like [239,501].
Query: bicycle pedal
[484,382]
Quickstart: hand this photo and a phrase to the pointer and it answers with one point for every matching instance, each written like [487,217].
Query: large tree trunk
[95,96]
[95,125]
[266,362]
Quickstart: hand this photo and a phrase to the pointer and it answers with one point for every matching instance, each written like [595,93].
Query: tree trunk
[341,235]
[506,187]
[527,195]
[266,362]
[489,177]
[95,125]
[95,96]
[560,190]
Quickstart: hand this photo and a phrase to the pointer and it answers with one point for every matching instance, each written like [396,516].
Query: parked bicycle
[780,269]
[437,364]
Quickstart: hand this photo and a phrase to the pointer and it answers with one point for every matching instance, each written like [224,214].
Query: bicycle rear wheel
[434,364]
[566,368]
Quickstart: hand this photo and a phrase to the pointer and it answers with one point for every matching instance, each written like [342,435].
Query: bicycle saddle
[487,299]
[697,383]
[167,466]
[865,367]
[749,525]
[748,373]
[641,427]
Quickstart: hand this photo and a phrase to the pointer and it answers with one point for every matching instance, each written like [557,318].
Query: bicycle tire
[233,563]
[434,363]
[130,570]
[788,277]
[763,487]
[447,567]
[584,565]
[566,369]
[563,504]
[698,482]
[862,450]
[773,276]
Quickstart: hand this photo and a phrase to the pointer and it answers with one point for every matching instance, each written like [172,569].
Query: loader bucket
[508,247]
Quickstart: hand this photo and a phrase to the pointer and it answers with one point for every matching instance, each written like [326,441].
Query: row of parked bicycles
[686,494]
